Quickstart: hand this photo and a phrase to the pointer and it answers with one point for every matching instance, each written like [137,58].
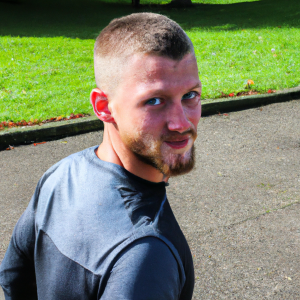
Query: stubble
[156,154]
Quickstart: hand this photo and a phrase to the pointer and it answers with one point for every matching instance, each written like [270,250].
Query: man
[99,225]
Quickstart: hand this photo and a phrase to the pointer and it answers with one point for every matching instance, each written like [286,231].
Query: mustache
[176,135]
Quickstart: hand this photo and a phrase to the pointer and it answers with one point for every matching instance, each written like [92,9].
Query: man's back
[95,231]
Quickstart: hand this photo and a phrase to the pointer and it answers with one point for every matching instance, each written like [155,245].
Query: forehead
[146,69]
[159,65]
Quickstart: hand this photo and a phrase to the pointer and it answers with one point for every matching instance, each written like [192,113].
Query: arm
[17,276]
[146,270]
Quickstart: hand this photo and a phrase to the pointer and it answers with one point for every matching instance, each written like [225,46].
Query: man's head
[136,33]
[149,90]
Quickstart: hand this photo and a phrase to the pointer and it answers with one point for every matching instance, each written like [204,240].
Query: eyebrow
[162,91]
[198,85]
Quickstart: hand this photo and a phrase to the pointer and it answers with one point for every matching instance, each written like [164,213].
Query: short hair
[136,33]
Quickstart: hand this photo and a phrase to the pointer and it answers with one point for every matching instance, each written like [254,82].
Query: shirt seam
[77,263]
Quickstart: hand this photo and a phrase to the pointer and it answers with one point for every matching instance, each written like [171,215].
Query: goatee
[152,152]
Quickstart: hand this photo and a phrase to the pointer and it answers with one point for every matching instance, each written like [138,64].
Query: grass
[46,49]
[54,78]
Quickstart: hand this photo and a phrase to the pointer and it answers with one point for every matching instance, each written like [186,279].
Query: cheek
[135,123]
[125,118]
[148,122]
[194,115]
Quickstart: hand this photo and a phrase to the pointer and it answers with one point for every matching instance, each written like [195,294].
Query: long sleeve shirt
[93,230]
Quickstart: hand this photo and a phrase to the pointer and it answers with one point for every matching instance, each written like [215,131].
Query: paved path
[239,208]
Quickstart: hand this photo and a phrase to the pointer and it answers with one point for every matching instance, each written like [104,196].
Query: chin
[178,164]
[170,164]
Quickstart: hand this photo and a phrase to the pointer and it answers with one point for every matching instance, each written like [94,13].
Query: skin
[156,104]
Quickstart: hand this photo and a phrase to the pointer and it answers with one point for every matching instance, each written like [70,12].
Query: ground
[239,208]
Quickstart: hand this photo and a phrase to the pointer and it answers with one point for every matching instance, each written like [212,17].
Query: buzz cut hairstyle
[145,33]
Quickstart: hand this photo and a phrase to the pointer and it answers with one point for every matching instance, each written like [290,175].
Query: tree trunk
[135,3]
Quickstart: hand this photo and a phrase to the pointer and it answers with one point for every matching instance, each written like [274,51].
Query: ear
[100,105]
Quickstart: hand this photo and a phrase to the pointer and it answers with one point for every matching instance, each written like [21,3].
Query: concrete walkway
[239,209]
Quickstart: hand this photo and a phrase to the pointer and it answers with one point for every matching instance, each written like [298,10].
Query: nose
[177,119]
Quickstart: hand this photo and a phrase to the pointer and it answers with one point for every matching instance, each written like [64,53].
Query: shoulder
[146,269]
[82,157]
[61,178]
[73,162]
[149,249]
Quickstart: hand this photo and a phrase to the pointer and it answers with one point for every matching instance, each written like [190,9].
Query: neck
[114,151]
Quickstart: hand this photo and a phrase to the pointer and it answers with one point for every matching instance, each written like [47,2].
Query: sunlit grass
[46,50]
[54,78]
[227,59]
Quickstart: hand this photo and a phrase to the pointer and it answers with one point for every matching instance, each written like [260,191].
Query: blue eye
[153,101]
[189,95]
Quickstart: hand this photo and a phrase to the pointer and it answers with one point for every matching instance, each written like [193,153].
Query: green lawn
[46,49]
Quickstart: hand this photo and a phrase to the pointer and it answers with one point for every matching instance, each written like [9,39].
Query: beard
[156,154]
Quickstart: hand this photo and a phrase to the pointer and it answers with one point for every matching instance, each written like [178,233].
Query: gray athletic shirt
[93,230]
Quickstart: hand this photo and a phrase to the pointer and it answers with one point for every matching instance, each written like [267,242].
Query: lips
[177,144]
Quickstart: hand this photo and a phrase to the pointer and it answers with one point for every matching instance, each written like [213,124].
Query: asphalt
[239,208]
